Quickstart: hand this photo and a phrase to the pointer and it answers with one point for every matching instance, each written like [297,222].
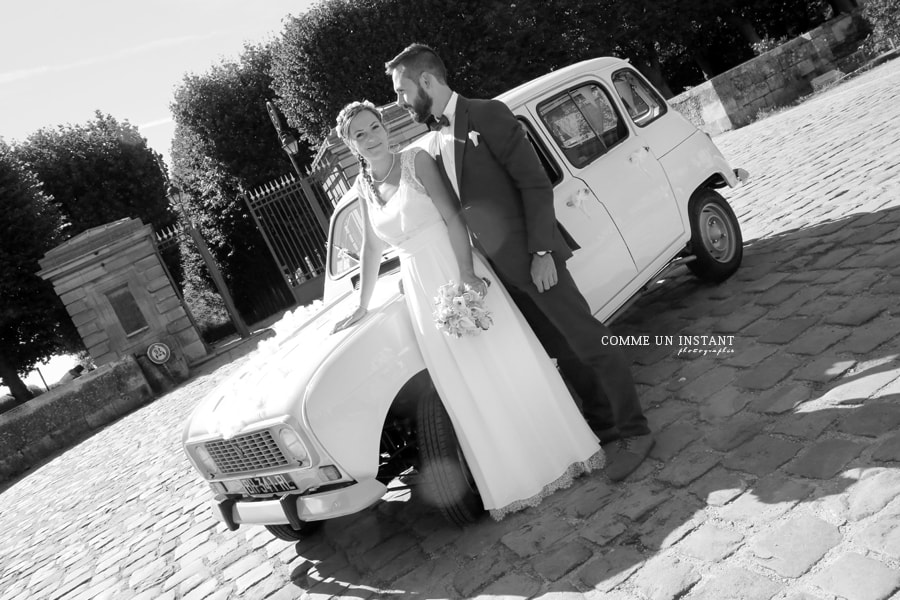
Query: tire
[716,239]
[446,481]
[289,534]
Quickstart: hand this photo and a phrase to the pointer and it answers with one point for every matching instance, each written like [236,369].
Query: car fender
[348,397]
[705,163]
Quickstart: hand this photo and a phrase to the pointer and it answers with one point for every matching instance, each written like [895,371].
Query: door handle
[577,199]
[638,154]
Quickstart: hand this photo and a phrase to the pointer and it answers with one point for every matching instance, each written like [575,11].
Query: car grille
[246,453]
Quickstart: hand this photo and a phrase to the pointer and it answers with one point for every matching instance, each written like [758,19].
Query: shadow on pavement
[792,415]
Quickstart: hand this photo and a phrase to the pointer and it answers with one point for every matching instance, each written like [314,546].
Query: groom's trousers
[600,373]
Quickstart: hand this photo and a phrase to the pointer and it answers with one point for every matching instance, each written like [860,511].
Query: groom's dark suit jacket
[505,193]
[507,201]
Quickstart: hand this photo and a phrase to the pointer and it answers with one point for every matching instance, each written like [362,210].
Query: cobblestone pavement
[776,469]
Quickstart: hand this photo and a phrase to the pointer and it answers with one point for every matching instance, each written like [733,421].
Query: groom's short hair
[415,60]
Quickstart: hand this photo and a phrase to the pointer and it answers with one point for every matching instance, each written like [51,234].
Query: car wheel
[446,481]
[716,240]
[289,534]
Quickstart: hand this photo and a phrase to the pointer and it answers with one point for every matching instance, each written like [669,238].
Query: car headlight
[291,442]
[204,459]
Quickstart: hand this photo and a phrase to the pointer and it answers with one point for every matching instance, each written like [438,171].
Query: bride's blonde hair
[351,110]
[343,123]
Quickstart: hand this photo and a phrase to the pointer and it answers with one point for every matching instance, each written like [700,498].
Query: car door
[601,264]
[607,156]
[662,128]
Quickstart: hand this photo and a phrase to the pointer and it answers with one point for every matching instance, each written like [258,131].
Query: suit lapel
[442,171]
[460,129]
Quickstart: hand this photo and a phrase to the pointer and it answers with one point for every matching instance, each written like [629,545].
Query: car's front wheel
[446,481]
[716,240]
[289,534]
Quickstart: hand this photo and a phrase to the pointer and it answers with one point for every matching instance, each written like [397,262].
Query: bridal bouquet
[460,311]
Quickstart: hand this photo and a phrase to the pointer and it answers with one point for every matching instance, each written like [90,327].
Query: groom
[507,201]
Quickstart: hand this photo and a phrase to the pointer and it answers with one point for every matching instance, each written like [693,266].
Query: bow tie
[436,123]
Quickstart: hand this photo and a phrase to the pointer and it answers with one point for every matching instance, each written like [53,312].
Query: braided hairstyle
[343,123]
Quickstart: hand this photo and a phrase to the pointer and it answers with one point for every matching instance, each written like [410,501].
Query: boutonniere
[473,135]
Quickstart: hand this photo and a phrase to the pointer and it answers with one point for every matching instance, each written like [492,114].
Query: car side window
[346,240]
[550,166]
[584,123]
[643,103]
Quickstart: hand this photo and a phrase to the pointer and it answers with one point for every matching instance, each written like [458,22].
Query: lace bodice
[409,211]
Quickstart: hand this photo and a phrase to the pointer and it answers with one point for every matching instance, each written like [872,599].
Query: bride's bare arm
[443,198]
[369,260]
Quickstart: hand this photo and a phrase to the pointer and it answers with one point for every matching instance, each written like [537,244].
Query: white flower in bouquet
[459,311]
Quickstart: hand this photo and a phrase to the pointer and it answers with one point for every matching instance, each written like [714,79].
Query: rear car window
[584,123]
[643,103]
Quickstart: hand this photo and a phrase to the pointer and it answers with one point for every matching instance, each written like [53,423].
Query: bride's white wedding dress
[520,431]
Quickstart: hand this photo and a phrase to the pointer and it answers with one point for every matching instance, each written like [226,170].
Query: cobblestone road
[775,474]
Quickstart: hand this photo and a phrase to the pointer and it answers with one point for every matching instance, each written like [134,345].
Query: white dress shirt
[446,139]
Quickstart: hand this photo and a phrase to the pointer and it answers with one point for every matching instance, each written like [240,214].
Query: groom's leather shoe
[626,455]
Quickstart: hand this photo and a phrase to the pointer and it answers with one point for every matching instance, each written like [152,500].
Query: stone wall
[68,414]
[776,78]
[116,289]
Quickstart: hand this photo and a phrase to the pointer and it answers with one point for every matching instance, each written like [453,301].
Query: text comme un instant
[667,340]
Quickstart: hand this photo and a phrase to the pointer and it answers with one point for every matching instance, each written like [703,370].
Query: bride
[519,429]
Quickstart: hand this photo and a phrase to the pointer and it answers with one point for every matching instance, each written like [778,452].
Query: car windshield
[346,240]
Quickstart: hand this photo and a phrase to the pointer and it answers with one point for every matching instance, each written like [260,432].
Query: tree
[98,172]
[884,16]
[32,318]
[757,19]
[719,36]
[225,110]
[649,32]
[335,53]
[225,145]
[843,6]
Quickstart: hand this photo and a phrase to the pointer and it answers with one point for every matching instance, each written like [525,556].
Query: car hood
[271,384]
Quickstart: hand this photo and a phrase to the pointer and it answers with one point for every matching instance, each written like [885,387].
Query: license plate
[268,485]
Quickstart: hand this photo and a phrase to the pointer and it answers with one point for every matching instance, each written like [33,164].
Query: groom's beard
[420,109]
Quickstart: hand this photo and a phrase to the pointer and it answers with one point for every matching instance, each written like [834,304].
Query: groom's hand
[543,272]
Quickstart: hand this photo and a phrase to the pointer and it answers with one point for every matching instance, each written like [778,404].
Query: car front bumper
[295,510]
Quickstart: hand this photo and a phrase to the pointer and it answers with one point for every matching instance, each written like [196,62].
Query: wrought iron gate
[292,216]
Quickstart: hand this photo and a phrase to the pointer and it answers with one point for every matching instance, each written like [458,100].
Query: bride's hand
[358,314]
[477,284]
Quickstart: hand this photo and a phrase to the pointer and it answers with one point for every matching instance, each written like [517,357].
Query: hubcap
[717,233]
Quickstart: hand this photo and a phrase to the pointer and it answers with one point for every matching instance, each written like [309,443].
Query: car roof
[521,94]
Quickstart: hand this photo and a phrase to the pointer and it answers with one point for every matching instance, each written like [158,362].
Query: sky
[61,60]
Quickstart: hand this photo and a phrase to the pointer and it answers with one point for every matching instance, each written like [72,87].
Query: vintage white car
[318,424]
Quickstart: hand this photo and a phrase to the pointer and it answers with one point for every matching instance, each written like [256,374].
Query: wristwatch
[543,252]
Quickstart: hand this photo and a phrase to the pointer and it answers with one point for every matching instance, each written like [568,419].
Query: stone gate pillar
[114,286]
